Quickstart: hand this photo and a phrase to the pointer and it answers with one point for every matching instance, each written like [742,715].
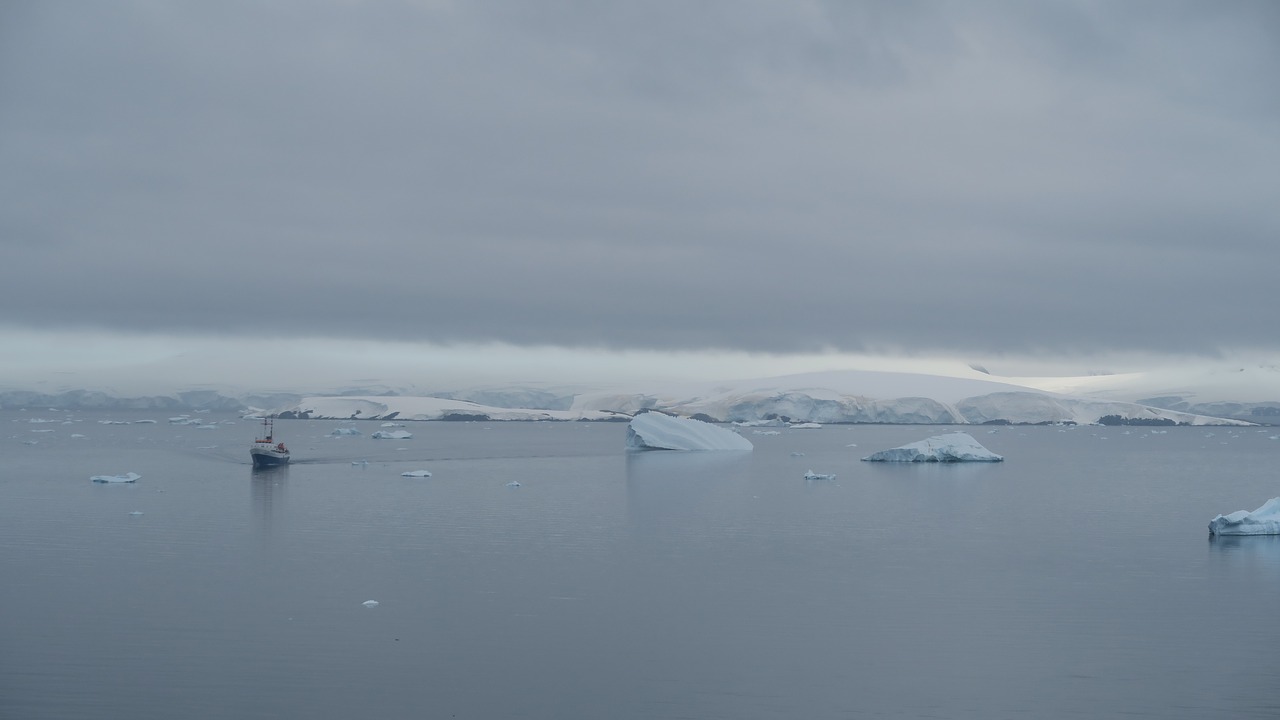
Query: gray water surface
[1076,579]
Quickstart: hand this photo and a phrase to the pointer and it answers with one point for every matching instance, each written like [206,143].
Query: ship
[266,452]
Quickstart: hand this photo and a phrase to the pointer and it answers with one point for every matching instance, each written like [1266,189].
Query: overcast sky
[952,178]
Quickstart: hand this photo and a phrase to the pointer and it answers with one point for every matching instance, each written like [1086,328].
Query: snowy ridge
[833,397]
[426,408]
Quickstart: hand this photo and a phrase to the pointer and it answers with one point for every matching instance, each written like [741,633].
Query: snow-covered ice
[343,432]
[126,478]
[806,426]
[811,475]
[1263,521]
[952,447]
[370,603]
[416,473]
[391,435]
[655,431]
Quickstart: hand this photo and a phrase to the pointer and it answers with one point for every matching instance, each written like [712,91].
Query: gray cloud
[978,177]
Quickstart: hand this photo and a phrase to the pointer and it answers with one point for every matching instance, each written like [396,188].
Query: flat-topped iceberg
[952,447]
[655,431]
[1263,521]
[391,435]
[126,478]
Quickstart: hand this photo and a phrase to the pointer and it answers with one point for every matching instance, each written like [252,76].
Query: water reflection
[666,487]
[1263,550]
[267,489]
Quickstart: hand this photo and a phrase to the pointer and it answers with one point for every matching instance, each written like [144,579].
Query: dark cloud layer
[977,177]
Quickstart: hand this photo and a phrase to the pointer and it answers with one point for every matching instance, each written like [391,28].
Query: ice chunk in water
[416,473]
[126,478]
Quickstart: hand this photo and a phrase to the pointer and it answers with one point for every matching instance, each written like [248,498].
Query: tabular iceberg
[391,435]
[952,447]
[1263,521]
[126,478]
[655,431]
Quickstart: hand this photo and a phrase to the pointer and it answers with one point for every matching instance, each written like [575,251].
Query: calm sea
[1076,579]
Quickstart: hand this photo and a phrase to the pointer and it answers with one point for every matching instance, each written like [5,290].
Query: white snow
[655,431]
[416,473]
[1263,521]
[391,435]
[126,478]
[428,408]
[951,447]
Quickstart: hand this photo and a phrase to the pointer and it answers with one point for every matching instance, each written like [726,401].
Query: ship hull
[268,457]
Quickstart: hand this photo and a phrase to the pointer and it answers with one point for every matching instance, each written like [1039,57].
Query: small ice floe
[126,478]
[360,463]
[391,435]
[797,454]
[513,483]
[852,445]
[765,432]
[113,422]
[949,448]
[42,430]
[811,475]
[30,442]
[145,422]
[416,473]
[136,513]
[1263,521]
[77,435]
[207,447]
[344,432]
[392,424]
[370,603]
[806,426]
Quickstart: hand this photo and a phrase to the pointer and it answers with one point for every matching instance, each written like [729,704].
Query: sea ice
[1263,521]
[513,483]
[370,603]
[340,432]
[655,431]
[416,473]
[806,426]
[126,478]
[811,475]
[952,447]
[393,435]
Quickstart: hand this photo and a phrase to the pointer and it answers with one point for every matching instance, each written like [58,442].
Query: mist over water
[1074,579]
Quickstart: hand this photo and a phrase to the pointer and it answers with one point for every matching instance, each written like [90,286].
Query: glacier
[1263,521]
[948,448]
[656,431]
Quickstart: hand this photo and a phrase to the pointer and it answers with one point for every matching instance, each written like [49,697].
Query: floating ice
[416,473]
[145,422]
[392,435]
[126,478]
[765,432]
[513,483]
[136,512]
[370,603]
[392,424]
[952,447]
[77,435]
[655,431]
[1263,521]
[360,463]
[341,432]
[797,454]
[811,475]
[806,426]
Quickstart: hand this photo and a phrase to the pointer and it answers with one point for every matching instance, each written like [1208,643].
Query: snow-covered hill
[841,397]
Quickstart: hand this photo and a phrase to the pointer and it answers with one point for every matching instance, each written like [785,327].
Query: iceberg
[341,432]
[952,447]
[811,475]
[655,431]
[416,473]
[126,478]
[392,435]
[1263,521]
